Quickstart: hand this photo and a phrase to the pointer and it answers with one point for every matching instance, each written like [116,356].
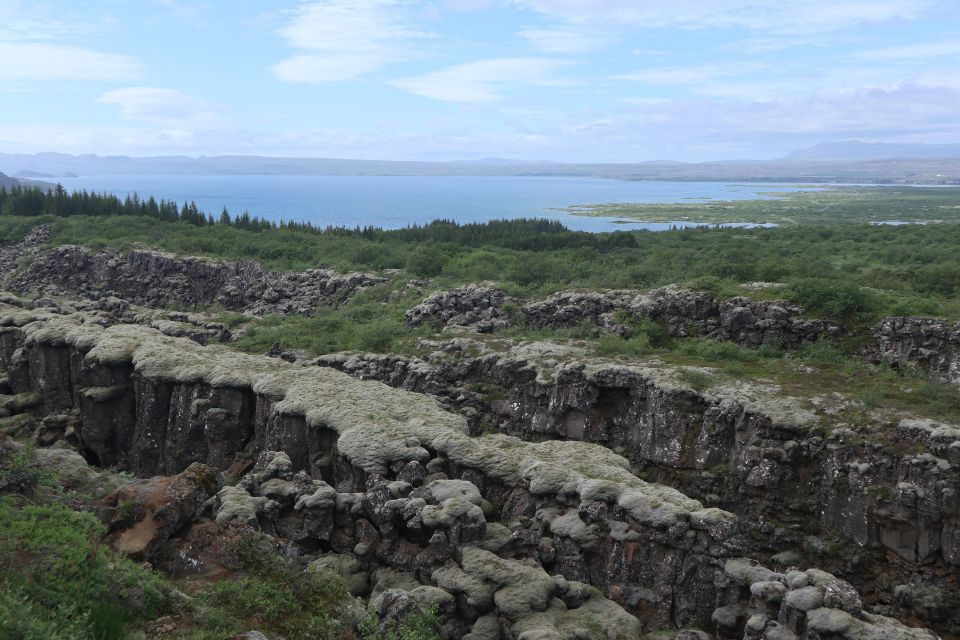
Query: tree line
[33,201]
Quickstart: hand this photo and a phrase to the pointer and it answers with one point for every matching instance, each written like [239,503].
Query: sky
[537,80]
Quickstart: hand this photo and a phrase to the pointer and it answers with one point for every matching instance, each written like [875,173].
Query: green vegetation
[60,581]
[831,262]
[817,369]
[270,595]
[369,321]
[905,270]
[831,205]
[837,270]
[33,201]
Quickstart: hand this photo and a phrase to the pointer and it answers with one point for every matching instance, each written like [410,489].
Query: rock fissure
[554,539]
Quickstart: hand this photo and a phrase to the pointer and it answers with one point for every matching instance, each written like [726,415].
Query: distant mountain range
[855,150]
[30,174]
[850,161]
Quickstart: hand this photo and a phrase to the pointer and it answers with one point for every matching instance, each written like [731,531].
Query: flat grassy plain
[828,205]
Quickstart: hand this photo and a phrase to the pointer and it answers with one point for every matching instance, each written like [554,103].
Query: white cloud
[696,75]
[344,39]
[777,15]
[691,129]
[27,61]
[483,80]
[863,112]
[159,106]
[912,52]
[564,39]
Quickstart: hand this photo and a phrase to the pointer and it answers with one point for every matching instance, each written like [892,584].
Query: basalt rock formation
[801,480]
[930,344]
[477,306]
[161,280]
[508,538]
[681,312]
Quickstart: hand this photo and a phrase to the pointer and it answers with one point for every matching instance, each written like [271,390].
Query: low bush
[58,581]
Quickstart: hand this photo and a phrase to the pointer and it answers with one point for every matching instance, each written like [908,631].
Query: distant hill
[801,166]
[855,150]
[7,182]
[30,174]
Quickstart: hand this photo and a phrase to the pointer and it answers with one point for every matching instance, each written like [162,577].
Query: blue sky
[564,80]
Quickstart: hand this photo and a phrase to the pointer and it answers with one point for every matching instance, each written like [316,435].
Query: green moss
[698,380]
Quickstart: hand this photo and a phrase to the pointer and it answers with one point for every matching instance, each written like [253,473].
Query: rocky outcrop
[510,537]
[413,545]
[798,476]
[477,306]
[162,280]
[154,404]
[932,345]
[680,312]
[147,513]
[808,604]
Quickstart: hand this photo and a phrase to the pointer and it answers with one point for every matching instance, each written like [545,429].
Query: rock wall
[681,312]
[930,344]
[154,404]
[163,280]
[557,539]
[798,479]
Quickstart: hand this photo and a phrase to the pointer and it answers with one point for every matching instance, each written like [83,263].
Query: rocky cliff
[802,479]
[928,343]
[508,538]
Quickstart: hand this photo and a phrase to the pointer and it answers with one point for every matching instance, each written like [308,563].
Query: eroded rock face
[163,280]
[930,344]
[147,513]
[799,480]
[550,539]
[160,404]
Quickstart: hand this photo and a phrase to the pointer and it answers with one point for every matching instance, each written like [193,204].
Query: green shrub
[611,345]
[299,606]
[272,597]
[716,350]
[58,580]
[834,298]
[414,626]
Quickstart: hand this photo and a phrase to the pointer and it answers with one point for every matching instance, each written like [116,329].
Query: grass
[823,368]
[59,581]
[370,321]
[830,205]
[880,270]
[272,597]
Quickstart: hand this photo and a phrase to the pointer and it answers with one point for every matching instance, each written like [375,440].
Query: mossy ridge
[782,384]
[408,426]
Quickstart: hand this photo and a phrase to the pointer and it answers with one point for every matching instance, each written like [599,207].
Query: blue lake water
[398,201]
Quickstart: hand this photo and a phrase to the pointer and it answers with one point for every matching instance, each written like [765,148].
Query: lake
[398,201]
